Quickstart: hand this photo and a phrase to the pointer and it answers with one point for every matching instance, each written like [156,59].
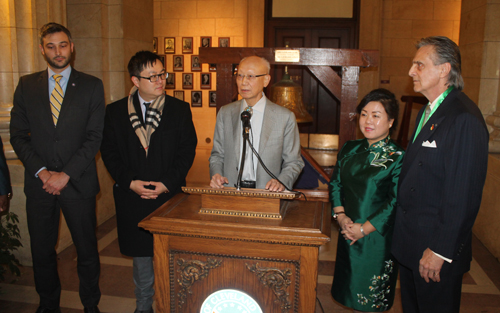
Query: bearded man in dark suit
[56,130]
[440,184]
[148,148]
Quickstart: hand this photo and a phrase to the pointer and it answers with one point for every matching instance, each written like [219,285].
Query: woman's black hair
[388,101]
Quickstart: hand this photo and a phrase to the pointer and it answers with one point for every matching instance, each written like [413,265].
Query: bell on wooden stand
[289,95]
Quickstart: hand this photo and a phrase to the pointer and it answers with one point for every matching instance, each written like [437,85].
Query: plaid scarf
[152,120]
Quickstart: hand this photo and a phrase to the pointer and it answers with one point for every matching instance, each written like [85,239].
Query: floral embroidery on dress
[378,289]
[381,158]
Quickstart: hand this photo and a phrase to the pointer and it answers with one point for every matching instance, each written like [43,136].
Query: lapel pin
[73,84]
[432,127]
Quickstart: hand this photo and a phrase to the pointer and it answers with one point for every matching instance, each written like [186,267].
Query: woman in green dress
[363,195]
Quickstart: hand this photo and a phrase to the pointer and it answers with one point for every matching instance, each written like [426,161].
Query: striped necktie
[56,99]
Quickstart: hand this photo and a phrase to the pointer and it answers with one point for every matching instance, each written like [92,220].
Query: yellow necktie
[56,99]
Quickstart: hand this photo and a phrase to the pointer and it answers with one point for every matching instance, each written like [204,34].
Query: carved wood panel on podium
[273,261]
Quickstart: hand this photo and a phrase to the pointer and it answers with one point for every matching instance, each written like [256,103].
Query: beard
[59,65]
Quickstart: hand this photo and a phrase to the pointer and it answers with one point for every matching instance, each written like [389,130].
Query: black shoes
[91,310]
[45,310]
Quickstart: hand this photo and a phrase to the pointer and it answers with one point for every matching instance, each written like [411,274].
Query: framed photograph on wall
[195,63]
[206,81]
[178,63]
[155,44]
[162,58]
[212,67]
[224,42]
[187,45]
[179,94]
[212,99]
[170,81]
[206,42]
[169,45]
[196,99]
[187,80]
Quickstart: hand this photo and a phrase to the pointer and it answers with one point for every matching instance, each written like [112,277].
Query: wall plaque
[287,56]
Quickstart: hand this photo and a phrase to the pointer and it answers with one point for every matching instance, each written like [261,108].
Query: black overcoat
[171,154]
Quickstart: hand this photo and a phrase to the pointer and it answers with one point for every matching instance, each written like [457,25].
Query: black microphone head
[245,115]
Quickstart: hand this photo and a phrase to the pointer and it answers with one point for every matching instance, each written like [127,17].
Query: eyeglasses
[249,77]
[154,78]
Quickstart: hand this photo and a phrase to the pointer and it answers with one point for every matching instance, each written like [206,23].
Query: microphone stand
[245,117]
[243,154]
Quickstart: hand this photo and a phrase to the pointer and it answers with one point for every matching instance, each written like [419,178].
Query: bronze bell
[289,95]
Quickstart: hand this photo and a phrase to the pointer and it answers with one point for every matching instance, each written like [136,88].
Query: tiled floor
[481,289]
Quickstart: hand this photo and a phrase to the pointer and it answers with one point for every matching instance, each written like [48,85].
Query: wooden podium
[275,261]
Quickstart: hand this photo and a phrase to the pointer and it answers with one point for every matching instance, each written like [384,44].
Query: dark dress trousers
[171,153]
[70,147]
[440,189]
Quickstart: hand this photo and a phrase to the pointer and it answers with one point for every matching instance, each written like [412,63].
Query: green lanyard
[438,103]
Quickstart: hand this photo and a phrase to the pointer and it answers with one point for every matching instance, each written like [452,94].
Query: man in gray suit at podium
[274,134]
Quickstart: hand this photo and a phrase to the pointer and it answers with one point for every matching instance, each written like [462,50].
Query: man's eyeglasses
[154,78]
[249,77]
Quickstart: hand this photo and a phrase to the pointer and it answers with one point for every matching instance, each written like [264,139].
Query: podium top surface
[304,223]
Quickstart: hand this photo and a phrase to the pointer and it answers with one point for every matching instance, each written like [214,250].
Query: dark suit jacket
[72,145]
[5,187]
[440,188]
[171,153]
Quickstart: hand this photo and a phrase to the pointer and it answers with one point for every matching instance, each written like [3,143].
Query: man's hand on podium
[218,181]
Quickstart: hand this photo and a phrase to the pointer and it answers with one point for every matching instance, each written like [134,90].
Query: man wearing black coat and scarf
[148,147]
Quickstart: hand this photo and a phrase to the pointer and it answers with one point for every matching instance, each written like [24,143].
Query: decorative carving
[240,213]
[276,279]
[231,191]
[190,272]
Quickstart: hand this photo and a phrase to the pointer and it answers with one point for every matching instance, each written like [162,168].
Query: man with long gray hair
[440,184]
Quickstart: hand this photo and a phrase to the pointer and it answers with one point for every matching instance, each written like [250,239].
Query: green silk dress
[365,183]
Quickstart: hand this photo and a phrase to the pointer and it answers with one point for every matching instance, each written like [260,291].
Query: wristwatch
[336,215]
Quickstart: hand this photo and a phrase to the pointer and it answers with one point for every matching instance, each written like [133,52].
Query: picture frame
[212,99]
[187,80]
[205,42]
[196,99]
[170,81]
[155,44]
[169,45]
[212,67]
[206,81]
[162,58]
[179,94]
[224,42]
[195,63]
[187,45]
[178,63]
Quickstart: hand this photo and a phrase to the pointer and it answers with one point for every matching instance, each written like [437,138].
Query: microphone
[245,118]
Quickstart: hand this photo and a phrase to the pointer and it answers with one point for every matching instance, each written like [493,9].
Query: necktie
[427,113]
[56,99]
[146,104]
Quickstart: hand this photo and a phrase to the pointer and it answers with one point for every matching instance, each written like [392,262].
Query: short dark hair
[140,61]
[388,101]
[51,28]
[446,51]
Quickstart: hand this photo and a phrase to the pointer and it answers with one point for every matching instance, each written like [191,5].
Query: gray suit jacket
[279,145]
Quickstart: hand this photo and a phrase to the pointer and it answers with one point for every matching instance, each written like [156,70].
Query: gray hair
[446,51]
[268,65]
